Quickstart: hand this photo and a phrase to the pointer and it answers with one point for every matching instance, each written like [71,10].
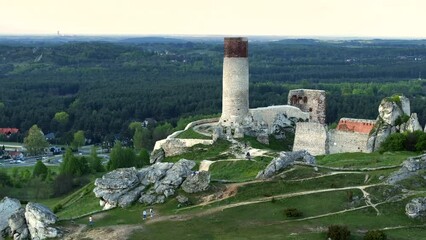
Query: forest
[100,87]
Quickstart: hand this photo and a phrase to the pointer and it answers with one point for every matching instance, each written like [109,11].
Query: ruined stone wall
[269,114]
[356,125]
[312,137]
[311,101]
[342,141]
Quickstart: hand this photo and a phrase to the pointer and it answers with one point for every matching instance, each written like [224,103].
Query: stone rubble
[416,208]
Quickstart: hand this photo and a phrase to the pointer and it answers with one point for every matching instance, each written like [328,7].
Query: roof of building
[356,125]
[8,131]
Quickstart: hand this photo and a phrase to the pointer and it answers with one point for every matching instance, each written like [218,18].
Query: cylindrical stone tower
[235,93]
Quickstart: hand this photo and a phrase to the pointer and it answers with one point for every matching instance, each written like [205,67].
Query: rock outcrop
[39,219]
[409,168]
[112,187]
[149,185]
[157,156]
[394,116]
[18,225]
[416,208]
[8,206]
[196,182]
[284,160]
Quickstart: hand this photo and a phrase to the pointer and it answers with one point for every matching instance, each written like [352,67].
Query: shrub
[338,232]
[293,212]
[375,235]
[57,208]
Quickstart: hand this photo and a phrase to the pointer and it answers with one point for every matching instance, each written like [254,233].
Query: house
[8,131]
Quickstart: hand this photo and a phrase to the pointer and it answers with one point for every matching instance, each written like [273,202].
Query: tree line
[100,88]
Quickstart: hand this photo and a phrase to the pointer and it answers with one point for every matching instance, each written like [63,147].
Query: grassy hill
[244,208]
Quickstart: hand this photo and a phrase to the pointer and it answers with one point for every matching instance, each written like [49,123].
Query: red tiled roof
[8,131]
[358,125]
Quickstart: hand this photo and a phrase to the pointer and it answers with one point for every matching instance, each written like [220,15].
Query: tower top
[236,47]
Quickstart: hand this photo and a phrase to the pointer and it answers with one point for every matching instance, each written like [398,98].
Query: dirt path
[82,231]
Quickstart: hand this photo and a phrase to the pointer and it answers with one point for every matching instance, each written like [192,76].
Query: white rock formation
[8,206]
[416,208]
[39,218]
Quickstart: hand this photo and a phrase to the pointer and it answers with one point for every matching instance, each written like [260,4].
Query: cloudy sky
[344,18]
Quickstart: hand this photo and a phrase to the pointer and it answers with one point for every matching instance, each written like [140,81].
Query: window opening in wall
[310,109]
[305,99]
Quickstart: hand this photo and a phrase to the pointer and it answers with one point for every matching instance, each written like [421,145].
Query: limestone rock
[182,199]
[174,177]
[390,111]
[18,225]
[151,198]
[196,182]
[153,173]
[157,155]
[39,218]
[8,206]
[284,160]
[130,197]
[263,138]
[416,208]
[173,147]
[412,124]
[409,168]
[283,125]
[113,185]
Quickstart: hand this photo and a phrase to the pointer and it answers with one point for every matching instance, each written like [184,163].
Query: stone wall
[356,125]
[269,114]
[311,101]
[342,141]
[312,137]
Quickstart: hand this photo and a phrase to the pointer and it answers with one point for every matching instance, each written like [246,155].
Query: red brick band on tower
[236,47]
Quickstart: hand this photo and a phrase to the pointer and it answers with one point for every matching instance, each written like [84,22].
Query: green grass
[191,134]
[203,152]
[301,172]
[236,170]
[274,144]
[363,160]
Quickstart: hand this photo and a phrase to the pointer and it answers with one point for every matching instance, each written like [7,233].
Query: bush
[57,208]
[293,212]
[338,232]
[375,235]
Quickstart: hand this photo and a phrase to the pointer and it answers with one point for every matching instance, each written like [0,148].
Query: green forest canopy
[102,87]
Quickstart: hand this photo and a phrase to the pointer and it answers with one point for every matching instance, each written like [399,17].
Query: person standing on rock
[144,214]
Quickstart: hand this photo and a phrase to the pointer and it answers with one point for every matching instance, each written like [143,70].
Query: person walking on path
[144,214]
[151,212]
[90,221]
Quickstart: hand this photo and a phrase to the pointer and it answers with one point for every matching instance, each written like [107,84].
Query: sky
[298,18]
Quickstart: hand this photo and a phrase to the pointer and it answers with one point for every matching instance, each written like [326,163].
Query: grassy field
[236,171]
[191,134]
[364,160]
[255,209]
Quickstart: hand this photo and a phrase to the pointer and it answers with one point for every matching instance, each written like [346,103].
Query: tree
[72,165]
[95,162]
[337,232]
[142,159]
[137,136]
[79,139]
[61,117]
[40,170]
[35,142]
[121,157]
[375,235]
